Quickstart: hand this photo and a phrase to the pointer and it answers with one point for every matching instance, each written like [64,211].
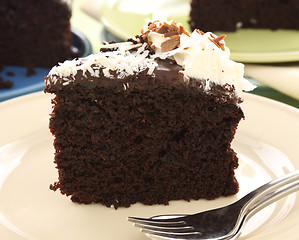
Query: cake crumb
[5,84]
[9,73]
[30,71]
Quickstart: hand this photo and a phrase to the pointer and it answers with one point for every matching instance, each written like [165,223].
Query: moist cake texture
[230,15]
[149,120]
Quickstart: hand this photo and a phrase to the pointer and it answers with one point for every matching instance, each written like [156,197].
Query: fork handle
[274,196]
[271,192]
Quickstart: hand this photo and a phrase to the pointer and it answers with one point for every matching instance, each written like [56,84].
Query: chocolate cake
[229,15]
[35,33]
[148,120]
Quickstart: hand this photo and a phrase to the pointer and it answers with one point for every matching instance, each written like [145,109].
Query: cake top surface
[202,56]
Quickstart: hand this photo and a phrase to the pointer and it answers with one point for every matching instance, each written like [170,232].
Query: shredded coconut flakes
[121,60]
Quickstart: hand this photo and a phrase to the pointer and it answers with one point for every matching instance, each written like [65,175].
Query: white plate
[267,143]
[125,19]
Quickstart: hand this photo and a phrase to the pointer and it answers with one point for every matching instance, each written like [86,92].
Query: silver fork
[222,223]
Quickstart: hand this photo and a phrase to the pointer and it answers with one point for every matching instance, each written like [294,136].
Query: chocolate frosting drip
[167,72]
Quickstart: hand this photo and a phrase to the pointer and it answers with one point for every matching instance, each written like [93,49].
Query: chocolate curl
[217,41]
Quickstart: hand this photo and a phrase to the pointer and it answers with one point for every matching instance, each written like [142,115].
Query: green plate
[125,19]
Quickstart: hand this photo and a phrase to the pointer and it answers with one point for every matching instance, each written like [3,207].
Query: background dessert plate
[266,143]
[27,84]
[125,18]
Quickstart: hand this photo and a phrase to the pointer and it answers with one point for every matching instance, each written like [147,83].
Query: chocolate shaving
[171,43]
[217,41]
[163,29]
[200,32]
[172,33]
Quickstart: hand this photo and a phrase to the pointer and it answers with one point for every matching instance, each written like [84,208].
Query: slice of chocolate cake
[229,15]
[148,120]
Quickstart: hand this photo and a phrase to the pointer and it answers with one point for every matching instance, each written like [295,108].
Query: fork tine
[158,223]
[171,235]
[172,229]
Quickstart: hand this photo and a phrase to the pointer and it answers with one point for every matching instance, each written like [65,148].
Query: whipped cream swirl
[203,56]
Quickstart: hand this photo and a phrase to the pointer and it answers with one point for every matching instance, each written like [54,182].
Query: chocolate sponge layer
[148,139]
[229,15]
